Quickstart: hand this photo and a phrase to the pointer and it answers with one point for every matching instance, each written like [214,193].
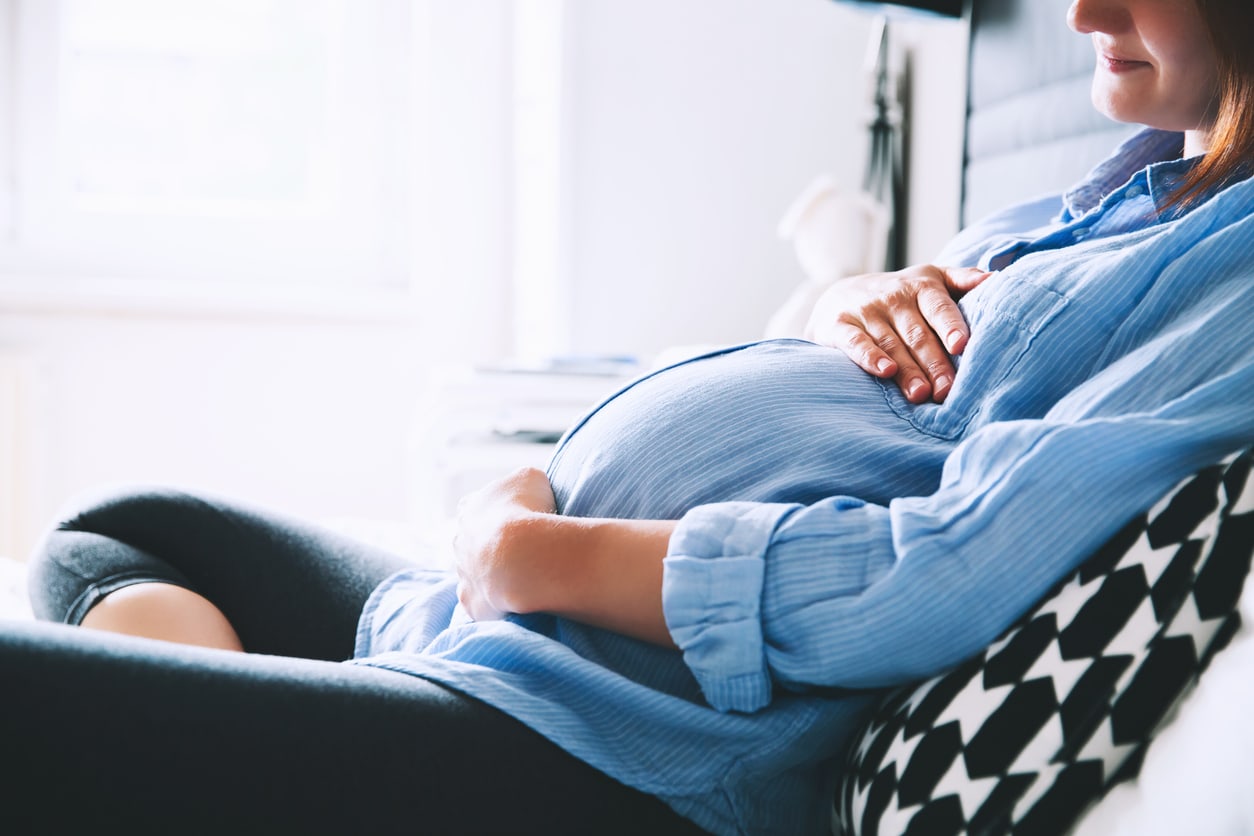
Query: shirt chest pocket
[1005,371]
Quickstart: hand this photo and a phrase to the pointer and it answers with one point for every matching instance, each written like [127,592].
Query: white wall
[937,54]
[462,126]
[695,124]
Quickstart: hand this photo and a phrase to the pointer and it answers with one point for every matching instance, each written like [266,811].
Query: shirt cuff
[712,581]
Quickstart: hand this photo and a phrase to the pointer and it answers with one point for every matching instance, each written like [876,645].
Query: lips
[1117,63]
[1120,65]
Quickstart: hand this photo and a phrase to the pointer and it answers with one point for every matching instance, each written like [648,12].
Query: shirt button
[1134,191]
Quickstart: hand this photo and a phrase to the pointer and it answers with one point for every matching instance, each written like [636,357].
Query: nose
[1088,16]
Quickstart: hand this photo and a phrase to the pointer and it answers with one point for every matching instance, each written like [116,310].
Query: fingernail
[884,365]
[942,383]
[914,388]
[952,339]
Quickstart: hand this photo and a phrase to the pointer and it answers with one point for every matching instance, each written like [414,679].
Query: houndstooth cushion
[1024,737]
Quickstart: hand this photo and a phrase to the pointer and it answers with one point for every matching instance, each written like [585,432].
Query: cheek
[1190,94]
[1190,71]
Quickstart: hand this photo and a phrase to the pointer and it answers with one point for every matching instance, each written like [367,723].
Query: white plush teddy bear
[835,234]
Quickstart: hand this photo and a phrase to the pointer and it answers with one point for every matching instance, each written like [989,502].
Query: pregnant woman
[678,625]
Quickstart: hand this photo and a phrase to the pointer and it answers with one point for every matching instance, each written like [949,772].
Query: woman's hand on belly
[515,555]
[903,325]
[491,565]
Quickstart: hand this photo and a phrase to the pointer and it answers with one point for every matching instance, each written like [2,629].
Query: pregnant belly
[776,421]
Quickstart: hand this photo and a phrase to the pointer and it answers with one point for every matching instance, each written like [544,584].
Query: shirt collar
[1162,181]
[1160,150]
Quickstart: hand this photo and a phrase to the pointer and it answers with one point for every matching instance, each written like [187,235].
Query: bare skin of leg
[163,611]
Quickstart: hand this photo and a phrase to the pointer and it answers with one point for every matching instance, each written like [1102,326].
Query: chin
[1115,104]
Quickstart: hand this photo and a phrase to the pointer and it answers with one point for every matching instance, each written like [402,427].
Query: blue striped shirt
[833,538]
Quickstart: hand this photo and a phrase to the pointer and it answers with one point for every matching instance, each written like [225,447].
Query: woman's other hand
[491,552]
[516,555]
[904,325]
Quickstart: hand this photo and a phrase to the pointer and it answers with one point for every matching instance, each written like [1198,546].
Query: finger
[469,602]
[945,318]
[959,280]
[911,379]
[540,492]
[863,350]
[476,604]
[929,354]
[527,487]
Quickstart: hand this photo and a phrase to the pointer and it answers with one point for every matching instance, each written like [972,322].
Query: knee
[102,513]
[63,568]
[119,508]
[94,542]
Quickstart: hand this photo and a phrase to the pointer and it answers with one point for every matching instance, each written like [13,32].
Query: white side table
[478,424]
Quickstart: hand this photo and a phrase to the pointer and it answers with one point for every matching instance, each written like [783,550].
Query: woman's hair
[1230,24]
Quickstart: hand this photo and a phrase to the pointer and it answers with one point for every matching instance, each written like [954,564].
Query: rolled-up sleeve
[714,583]
[711,595]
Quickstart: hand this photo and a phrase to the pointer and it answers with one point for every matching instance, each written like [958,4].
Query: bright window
[161,150]
[198,106]
[222,141]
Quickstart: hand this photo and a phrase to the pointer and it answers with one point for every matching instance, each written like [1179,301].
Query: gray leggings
[101,731]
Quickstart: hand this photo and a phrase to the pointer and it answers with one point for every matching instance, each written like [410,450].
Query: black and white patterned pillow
[1026,736]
